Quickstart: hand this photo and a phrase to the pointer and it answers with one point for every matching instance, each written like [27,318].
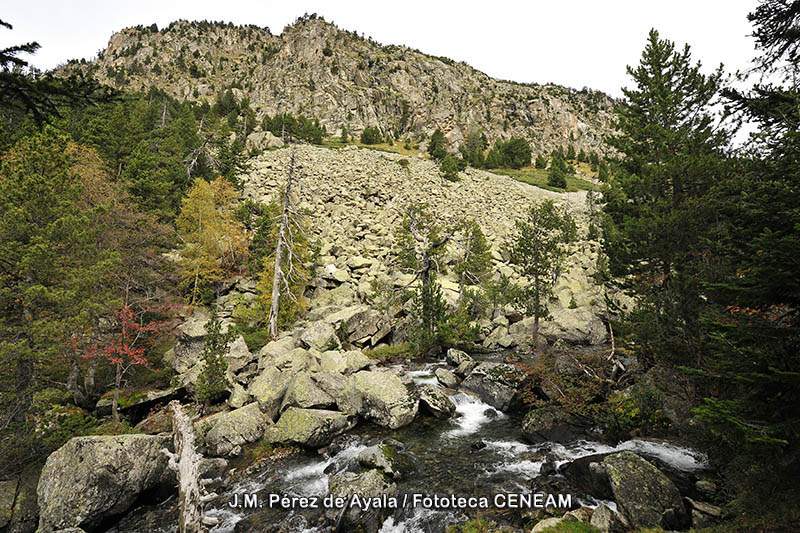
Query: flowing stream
[477,453]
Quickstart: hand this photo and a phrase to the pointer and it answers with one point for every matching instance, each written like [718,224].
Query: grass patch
[571,527]
[392,351]
[396,148]
[538,178]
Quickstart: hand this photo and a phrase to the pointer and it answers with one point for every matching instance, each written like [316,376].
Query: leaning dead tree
[285,255]
[192,494]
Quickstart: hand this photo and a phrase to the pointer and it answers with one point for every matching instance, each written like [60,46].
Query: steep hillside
[357,198]
[347,81]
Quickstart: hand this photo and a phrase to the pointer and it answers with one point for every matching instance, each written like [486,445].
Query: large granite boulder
[495,383]
[606,520]
[456,357]
[320,335]
[91,478]
[369,484]
[379,396]
[446,377]
[274,349]
[238,356]
[551,424]
[269,388]
[436,402]
[644,495]
[305,393]
[344,363]
[225,433]
[386,459]
[309,427]
[8,493]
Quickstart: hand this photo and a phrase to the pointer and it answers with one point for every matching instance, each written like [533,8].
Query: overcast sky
[575,43]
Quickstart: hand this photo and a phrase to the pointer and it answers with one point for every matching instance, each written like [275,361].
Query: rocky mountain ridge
[349,82]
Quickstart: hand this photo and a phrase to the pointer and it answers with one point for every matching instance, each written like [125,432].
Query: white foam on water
[423,377]
[312,480]
[676,456]
[472,412]
[419,522]
[509,448]
[227,519]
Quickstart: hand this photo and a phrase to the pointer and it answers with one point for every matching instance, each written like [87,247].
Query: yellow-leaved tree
[214,242]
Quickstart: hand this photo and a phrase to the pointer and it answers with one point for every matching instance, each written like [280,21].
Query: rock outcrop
[495,383]
[436,402]
[347,81]
[550,424]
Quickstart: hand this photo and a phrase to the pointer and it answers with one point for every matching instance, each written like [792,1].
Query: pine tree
[671,151]
[437,146]
[557,173]
[537,250]
[55,273]
[750,313]
[476,260]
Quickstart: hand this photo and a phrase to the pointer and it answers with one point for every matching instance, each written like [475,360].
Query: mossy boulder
[305,393]
[269,388]
[381,397]
[446,377]
[456,357]
[309,427]
[368,484]
[645,496]
[225,433]
[90,478]
[8,493]
[386,459]
[436,402]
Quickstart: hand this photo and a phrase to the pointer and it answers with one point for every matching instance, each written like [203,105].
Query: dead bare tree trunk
[278,275]
[115,401]
[192,495]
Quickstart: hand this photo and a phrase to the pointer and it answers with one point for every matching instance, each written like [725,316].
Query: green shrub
[449,168]
[371,135]
[403,163]
[213,382]
[640,410]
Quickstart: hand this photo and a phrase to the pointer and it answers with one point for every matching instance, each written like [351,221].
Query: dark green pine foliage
[514,153]
[157,147]
[437,146]
[284,125]
[537,251]
[449,168]
[752,362]
[671,152]
[557,173]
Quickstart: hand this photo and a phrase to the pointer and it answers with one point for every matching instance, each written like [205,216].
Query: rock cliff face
[344,80]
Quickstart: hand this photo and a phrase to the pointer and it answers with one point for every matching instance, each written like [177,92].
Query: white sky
[575,43]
